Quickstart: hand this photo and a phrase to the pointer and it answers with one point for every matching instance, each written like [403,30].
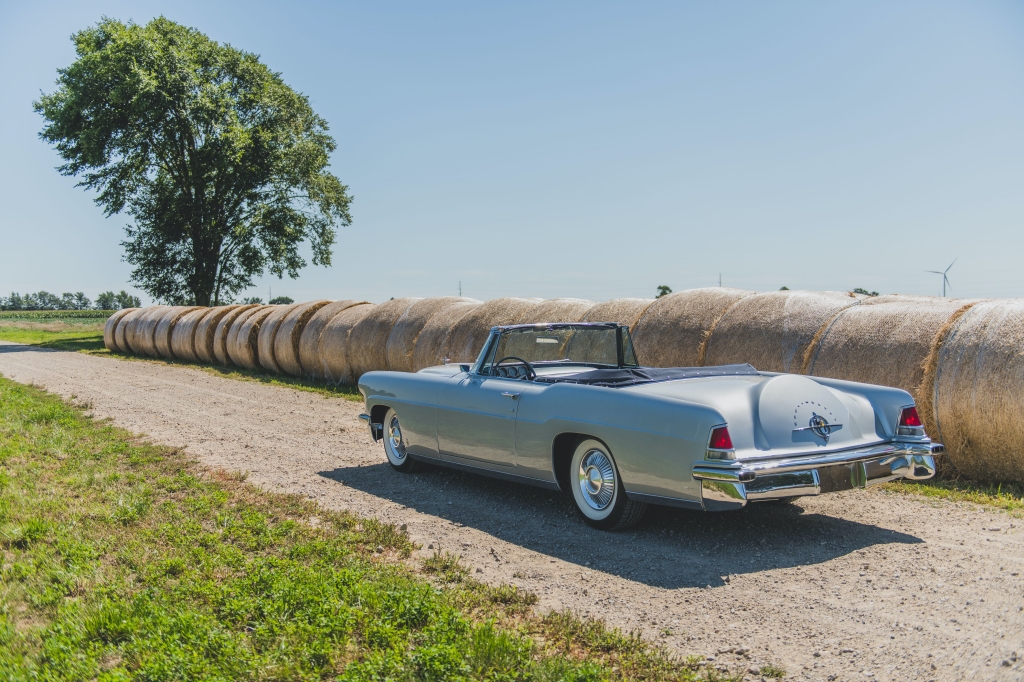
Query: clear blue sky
[594,149]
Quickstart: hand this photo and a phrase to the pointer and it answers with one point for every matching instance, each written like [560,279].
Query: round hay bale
[432,343]
[289,333]
[121,330]
[882,343]
[469,334]
[142,341]
[165,329]
[625,311]
[673,329]
[979,381]
[368,340]
[183,336]
[309,341]
[406,331]
[206,332]
[268,332]
[223,331]
[335,365]
[557,310]
[242,345]
[773,330]
[109,336]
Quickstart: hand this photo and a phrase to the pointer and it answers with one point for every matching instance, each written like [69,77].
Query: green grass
[121,560]
[67,333]
[1008,497]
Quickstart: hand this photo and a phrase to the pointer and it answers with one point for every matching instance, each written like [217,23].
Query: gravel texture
[863,585]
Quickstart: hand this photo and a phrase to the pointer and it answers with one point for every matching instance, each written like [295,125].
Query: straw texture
[979,384]
[368,341]
[335,365]
[883,343]
[432,343]
[223,332]
[622,310]
[309,341]
[469,333]
[165,329]
[183,335]
[402,342]
[206,332]
[286,342]
[268,333]
[672,329]
[142,341]
[557,310]
[243,346]
[109,336]
[773,330]
[121,330]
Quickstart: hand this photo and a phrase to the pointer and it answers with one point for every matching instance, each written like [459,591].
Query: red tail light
[720,439]
[909,417]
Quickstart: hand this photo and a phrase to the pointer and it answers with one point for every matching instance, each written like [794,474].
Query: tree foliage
[663,290]
[221,165]
[44,300]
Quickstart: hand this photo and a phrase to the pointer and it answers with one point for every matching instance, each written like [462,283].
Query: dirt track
[854,586]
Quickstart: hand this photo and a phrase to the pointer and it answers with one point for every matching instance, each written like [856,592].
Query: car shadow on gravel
[671,548]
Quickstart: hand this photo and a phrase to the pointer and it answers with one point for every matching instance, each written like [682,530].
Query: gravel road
[852,586]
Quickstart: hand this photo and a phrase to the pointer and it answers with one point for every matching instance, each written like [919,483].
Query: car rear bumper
[732,486]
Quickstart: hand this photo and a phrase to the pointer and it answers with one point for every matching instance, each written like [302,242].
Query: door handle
[513,396]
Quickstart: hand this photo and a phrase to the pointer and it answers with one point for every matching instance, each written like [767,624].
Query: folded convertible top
[620,378]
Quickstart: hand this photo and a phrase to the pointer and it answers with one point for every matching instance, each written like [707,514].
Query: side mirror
[464,368]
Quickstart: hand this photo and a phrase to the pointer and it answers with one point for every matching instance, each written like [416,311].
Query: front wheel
[597,490]
[394,445]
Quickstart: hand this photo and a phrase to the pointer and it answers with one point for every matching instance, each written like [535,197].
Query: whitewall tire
[394,444]
[597,489]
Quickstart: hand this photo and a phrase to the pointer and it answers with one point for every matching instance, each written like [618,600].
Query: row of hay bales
[962,360]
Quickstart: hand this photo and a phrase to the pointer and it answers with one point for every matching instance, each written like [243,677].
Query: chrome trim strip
[489,473]
[365,418]
[664,501]
[784,464]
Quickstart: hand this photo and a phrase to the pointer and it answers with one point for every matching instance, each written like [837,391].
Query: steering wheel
[530,373]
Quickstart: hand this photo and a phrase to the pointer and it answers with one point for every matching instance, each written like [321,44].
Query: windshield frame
[486,357]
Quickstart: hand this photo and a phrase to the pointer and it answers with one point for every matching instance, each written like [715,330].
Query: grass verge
[1008,497]
[122,560]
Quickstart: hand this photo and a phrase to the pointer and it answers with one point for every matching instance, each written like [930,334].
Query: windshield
[595,346]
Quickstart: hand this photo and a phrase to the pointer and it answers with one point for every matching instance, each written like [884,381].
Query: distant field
[63,329]
[40,315]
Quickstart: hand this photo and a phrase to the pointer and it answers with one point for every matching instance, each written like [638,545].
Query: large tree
[221,165]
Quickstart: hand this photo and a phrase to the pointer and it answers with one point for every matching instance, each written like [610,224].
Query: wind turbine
[945,280]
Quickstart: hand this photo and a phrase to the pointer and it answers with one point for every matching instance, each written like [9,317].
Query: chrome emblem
[820,427]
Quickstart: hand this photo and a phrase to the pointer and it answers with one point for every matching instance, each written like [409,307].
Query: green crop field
[63,329]
[123,560]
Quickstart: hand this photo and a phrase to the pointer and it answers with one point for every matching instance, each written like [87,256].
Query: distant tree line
[44,300]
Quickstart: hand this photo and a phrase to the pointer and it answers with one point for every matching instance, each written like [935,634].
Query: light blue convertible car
[568,407]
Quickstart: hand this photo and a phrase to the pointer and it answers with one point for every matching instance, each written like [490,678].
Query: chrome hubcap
[395,439]
[597,479]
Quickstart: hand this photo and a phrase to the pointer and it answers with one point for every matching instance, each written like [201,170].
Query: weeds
[1008,497]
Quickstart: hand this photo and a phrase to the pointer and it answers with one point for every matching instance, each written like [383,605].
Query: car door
[476,420]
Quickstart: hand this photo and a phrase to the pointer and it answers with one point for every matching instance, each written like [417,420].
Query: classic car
[568,407]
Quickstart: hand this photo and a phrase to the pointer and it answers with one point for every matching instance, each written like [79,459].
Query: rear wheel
[597,489]
[394,445]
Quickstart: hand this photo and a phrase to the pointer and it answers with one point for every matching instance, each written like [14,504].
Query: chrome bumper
[376,430]
[731,486]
